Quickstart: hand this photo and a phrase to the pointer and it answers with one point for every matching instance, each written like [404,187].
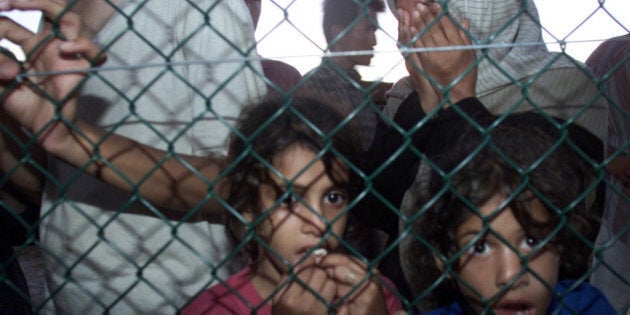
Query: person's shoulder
[229,297]
[575,297]
[388,288]
[322,80]
[281,74]
[330,68]
[315,74]
[277,66]
[451,309]
[612,50]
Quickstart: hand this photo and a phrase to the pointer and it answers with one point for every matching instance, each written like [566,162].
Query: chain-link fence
[136,224]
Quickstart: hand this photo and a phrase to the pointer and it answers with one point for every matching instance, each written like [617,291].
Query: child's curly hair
[520,163]
[265,130]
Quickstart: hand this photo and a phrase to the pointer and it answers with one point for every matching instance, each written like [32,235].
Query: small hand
[356,287]
[313,293]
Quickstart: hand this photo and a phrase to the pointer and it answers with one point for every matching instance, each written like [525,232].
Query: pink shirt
[243,298]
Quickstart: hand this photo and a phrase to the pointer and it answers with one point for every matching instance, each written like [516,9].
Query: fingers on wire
[404,27]
[421,27]
[66,24]
[440,32]
[84,48]
[346,270]
[305,291]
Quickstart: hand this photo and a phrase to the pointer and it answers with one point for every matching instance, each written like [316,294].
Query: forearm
[172,181]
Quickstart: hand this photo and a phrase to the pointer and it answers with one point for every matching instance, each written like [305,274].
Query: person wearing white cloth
[107,251]
[519,73]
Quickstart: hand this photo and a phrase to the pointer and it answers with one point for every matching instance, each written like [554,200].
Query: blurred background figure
[349,27]
[611,62]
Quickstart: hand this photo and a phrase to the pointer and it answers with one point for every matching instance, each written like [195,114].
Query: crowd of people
[475,184]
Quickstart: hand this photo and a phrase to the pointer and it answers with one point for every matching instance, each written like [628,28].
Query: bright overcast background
[291,31]
[582,24]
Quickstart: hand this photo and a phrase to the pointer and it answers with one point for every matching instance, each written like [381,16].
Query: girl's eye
[289,200]
[479,248]
[531,241]
[337,198]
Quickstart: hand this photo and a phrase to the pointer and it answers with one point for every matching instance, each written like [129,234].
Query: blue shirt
[584,299]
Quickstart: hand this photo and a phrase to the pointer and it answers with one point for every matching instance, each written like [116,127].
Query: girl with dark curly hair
[292,182]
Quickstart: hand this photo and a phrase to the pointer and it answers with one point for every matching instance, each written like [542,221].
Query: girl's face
[298,221]
[492,271]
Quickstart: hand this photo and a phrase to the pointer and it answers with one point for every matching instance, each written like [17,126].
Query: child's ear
[438,262]
[440,265]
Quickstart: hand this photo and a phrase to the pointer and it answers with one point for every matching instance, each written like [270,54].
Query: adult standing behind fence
[423,129]
[349,27]
[611,62]
[109,252]
[517,73]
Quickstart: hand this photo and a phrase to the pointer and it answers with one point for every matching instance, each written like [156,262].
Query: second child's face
[492,270]
[298,222]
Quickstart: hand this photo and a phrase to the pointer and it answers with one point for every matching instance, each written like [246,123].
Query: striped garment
[611,62]
[516,71]
[511,31]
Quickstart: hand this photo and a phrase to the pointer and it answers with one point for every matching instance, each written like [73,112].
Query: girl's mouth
[515,308]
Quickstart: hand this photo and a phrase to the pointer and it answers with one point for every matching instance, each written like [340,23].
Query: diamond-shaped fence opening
[166,192]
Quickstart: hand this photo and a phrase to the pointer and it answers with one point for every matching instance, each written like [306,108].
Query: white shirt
[105,245]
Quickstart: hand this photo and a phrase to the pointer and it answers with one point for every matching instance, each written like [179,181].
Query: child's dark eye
[336,198]
[532,241]
[480,247]
[289,200]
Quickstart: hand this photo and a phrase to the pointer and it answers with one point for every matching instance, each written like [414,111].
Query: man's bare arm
[47,105]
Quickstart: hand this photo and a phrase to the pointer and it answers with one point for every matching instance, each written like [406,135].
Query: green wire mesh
[17,215]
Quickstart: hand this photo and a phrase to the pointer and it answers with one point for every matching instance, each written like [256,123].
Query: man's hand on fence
[40,94]
[422,24]
[429,96]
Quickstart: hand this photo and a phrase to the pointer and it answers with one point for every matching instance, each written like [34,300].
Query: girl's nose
[313,220]
[510,270]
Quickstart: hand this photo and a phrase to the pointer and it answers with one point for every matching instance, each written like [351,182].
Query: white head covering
[512,28]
